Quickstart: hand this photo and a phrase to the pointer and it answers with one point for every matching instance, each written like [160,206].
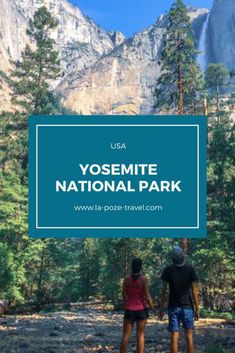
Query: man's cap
[177,256]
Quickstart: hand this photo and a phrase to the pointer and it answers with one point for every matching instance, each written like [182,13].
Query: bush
[213,349]
[215,314]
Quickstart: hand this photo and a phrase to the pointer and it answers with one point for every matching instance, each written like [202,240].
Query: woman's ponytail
[136,266]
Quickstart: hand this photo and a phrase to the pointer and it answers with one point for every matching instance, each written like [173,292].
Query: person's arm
[124,294]
[147,295]
[163,300]
[195,299]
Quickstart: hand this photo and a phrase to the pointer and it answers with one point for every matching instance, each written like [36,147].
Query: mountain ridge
[103,72]
[79,40]
[122,82]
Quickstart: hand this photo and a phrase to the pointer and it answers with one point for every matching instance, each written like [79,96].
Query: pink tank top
[135,294]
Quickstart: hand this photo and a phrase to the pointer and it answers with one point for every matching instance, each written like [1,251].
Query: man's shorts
[177,315]
[136,315]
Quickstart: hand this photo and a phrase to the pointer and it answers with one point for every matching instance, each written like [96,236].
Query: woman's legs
[140,335]
[127,330]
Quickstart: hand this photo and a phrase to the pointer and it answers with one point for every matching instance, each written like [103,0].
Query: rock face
[103,72]
[221,33]
[80,41]
[117,37]
[120,82]
[123,81]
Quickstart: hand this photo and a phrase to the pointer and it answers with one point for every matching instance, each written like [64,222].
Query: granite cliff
[79,40]
[103,72]
[221,33]
[122,82]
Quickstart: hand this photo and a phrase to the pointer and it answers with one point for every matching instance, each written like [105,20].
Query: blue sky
[129,16]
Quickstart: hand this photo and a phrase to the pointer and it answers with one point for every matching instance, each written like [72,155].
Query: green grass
[211,348]
[215,314]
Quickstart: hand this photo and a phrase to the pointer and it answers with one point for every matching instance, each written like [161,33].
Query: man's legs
[174,315]
[188,325]
[140,335]
[174,341]
[127,330]
[189,340]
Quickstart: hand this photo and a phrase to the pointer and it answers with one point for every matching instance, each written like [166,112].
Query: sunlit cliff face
[101,72]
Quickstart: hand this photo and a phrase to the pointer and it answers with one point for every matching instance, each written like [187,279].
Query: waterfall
[201,58]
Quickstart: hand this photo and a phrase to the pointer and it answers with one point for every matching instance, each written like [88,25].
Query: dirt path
[91,330]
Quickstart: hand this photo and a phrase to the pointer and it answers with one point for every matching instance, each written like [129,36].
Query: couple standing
[181,280]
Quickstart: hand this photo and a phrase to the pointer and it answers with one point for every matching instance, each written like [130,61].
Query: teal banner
[117,176]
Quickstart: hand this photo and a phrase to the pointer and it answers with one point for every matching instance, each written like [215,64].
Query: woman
[135,295]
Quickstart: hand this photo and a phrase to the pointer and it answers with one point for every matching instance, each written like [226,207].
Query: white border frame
[122,125]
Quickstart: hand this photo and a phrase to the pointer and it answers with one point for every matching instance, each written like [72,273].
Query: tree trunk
[180,90]
[88,285]
[184,241]
[39,291]
[38,95]
[184,244]
[217,98]
[205,107]
[204,301]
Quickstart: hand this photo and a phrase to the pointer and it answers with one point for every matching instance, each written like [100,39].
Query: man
[182,281]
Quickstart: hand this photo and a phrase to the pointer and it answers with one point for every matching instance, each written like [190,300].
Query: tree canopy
[50,270]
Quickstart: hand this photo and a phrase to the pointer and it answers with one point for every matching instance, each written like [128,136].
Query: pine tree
[180,86]
[31,77]
[88,275]
[63,271]
[118,254]
[221,174]
[194,90]
[217,76]
[8,284]
[177,61]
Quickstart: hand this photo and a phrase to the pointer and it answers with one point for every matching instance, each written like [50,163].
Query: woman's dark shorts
[136,315]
